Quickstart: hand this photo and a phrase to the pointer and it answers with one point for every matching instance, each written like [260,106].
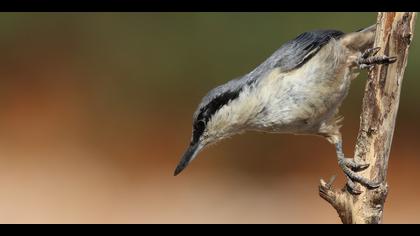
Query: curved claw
[352,164]
[359,179]
[352,188]
[370,52]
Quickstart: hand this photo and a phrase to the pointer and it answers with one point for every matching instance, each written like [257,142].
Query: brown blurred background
[96,110]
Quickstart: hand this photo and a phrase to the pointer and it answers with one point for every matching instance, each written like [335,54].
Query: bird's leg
[350,167]
[368,59]
[348,162]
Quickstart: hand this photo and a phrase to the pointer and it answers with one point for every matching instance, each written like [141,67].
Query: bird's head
[217,117]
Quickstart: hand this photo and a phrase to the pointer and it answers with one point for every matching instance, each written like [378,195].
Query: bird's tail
[371,28]
[361,39]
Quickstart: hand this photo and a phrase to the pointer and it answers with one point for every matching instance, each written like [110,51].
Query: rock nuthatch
[296,90]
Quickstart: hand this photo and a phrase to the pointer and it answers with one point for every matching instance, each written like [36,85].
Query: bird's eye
[199,127]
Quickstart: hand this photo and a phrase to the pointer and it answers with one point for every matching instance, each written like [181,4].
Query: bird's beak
[188,156]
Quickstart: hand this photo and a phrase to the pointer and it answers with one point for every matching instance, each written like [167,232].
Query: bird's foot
[352,164]
[350,167]
[368,59]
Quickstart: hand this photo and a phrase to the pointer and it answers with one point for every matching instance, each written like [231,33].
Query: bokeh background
[96,110]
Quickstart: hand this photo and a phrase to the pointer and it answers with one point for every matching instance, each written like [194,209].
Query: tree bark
[379,110]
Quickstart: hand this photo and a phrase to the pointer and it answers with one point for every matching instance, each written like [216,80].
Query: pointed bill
[188,156]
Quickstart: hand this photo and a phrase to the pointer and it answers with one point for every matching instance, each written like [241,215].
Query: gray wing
[296,52]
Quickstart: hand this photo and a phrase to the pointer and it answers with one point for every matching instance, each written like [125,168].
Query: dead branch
[377,121]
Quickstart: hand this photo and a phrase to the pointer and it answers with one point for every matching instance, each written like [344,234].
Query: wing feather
[296,52]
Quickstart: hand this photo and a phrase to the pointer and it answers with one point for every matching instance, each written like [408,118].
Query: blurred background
[96,111]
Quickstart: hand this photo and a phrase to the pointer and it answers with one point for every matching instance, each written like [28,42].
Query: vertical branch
[379,111]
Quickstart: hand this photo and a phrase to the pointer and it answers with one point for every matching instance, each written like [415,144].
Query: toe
[352,164]
[352,188]
[370,52]
[359,179]
[392,59]
[365,66]
[375,51]
[373,185]
[360,166]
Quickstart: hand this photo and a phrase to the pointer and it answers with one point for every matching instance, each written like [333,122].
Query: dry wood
[379,110]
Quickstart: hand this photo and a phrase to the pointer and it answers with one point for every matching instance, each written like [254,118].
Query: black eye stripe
[198,130]
[216,104]
[208,111]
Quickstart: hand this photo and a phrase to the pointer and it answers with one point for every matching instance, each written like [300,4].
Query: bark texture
[377,121]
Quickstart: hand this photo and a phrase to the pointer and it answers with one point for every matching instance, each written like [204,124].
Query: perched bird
[297,90]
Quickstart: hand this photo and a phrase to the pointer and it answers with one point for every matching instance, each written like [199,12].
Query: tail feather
[361,39]
[371,28]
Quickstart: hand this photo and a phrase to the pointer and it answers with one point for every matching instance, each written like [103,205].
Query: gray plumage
[297,51]
[298,90]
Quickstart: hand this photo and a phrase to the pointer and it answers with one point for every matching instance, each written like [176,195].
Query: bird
[296,90]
